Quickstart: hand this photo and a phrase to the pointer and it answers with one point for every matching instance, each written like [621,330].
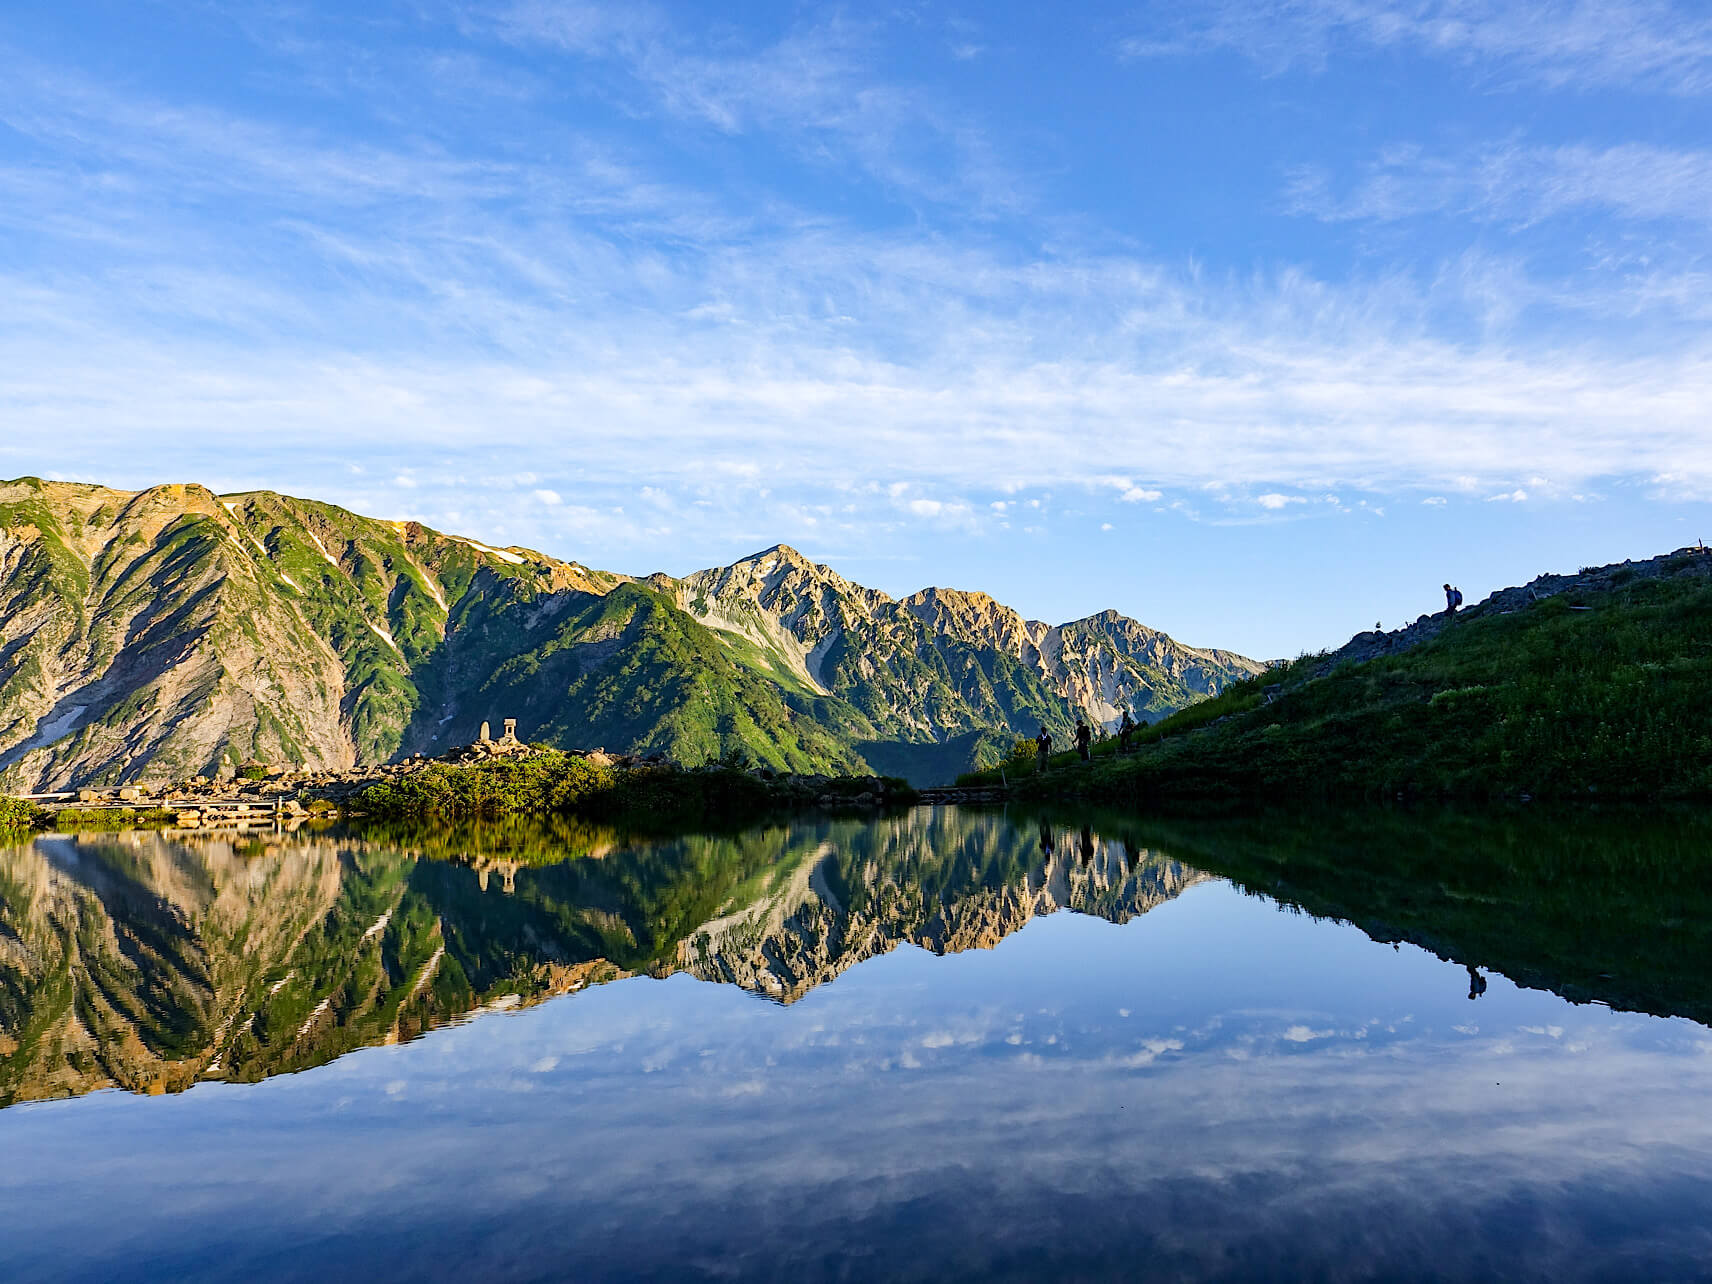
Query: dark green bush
[18,814]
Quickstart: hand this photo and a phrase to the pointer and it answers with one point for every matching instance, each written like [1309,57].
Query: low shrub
[19,815]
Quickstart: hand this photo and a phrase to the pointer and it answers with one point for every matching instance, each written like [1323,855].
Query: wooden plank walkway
[190,813]
[953,795]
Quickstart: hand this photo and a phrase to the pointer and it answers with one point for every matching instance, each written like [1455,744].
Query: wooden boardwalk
[962,795]
[277,811]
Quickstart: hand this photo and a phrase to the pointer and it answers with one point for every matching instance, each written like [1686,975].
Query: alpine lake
[945,1044]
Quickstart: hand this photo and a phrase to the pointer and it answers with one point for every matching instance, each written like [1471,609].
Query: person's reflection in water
[1087,847]
[1046,847]
[1132,858]
[1476,982]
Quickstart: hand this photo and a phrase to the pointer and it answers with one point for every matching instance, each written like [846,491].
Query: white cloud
[1128,491]
[1276,501]
[1283,387]
[1509,182]
[1653,45]
[548,497]
[1434,500]
[949,513]
[1516,496]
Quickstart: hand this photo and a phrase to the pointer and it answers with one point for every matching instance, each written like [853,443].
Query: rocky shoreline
[260,795]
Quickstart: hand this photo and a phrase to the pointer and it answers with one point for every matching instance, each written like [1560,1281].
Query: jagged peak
[769,560]
[954,596]
[966,606]
[1110,617]
[782,553]
[179,491]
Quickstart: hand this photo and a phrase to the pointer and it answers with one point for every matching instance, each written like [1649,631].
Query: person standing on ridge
[1126,729]
[1084,737]
[1042,749]
[1452,599]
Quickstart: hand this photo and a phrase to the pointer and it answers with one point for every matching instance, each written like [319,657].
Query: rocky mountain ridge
[843,639]
[162,633]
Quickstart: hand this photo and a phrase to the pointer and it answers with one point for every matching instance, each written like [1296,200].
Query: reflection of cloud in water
[890,1125]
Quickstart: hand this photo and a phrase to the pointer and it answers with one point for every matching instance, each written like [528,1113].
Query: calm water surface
[939,1046]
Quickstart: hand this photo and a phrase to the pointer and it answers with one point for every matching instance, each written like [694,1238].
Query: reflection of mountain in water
[931,879]
[139,962]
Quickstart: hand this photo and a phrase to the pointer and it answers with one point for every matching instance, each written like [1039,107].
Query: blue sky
[1256,320]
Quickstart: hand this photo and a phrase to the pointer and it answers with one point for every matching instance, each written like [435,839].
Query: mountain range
[151,635]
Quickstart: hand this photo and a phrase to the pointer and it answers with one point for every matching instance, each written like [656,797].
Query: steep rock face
[980,620]
[838,638]
[139,628]
[942,662]
[1108,662]
[157,634]
[788,607]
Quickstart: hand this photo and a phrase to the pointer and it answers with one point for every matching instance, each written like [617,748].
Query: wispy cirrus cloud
[1515,183]
[431,300]
[815,85]
[1654,46]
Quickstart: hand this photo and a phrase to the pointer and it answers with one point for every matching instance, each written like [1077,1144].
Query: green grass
[1604,693]
[105,819]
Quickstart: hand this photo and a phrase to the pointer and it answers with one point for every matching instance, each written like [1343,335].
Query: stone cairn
[486,747]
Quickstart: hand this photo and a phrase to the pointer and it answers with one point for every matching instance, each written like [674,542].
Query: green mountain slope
[1597,685]
[629,669]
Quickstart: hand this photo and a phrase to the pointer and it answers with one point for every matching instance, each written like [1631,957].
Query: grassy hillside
[1594,685]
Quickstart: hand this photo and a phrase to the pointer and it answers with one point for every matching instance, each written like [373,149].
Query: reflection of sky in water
[1217,1089]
